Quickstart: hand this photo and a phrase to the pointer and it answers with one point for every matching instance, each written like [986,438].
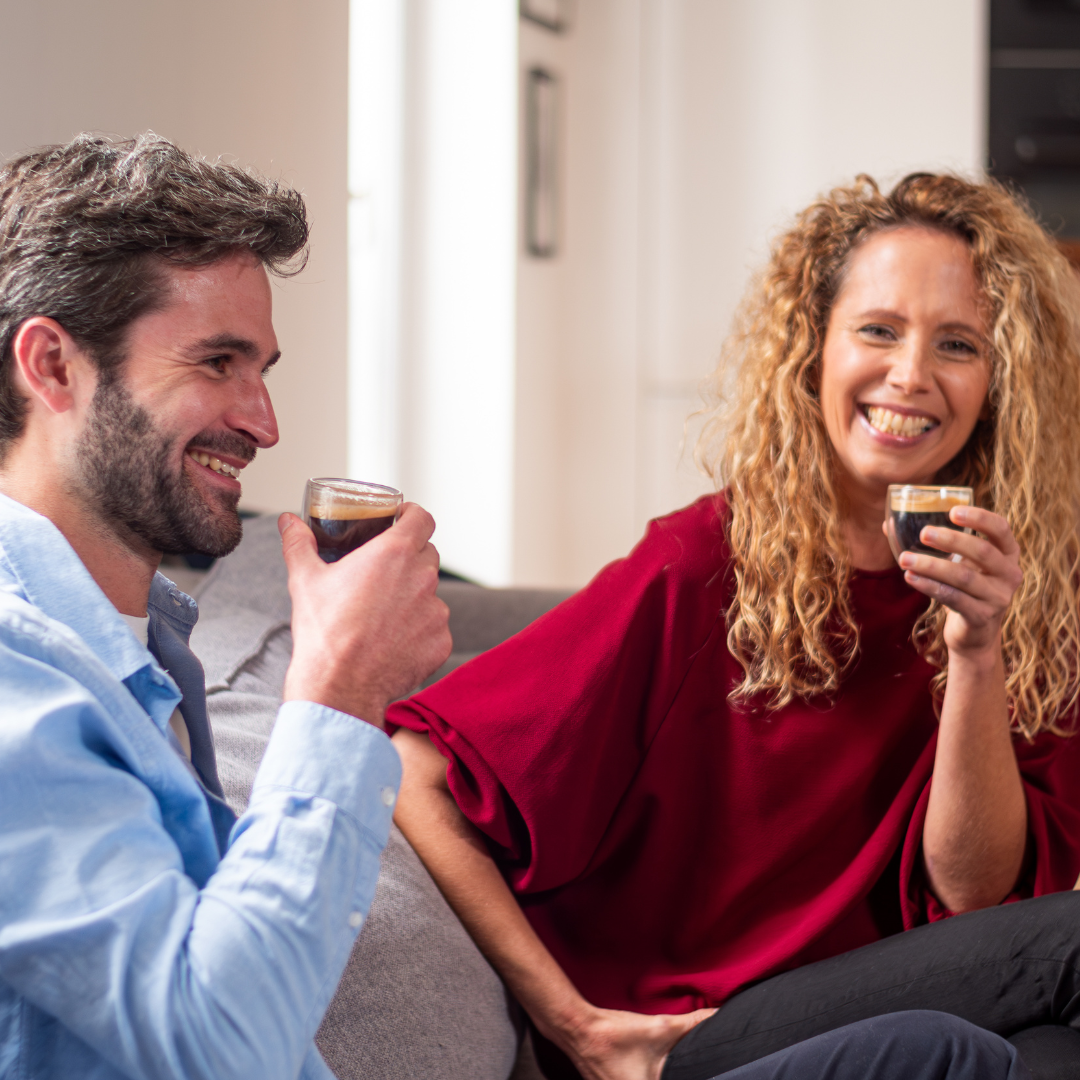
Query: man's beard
[125,475]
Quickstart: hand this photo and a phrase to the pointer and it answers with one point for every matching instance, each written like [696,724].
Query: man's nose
[252,413]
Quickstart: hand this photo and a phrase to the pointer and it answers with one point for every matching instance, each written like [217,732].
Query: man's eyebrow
[223,343]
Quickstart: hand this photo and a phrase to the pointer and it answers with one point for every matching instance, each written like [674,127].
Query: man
[143,931]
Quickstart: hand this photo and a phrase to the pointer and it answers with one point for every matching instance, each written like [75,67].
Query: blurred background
[533,221]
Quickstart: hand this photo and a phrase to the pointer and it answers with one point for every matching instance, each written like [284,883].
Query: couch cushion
[417,998]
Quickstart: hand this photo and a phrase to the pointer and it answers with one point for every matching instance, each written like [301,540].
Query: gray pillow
[417,998]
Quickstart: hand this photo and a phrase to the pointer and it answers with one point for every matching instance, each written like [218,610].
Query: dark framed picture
[551,14]
[541,163]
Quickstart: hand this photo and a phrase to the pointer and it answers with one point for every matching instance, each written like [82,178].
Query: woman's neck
[863,534]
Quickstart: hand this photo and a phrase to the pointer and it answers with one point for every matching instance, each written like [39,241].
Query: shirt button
[355,918]
[388,796]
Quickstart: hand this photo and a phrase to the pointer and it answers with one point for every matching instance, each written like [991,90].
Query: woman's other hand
[615,1045]
[978,589]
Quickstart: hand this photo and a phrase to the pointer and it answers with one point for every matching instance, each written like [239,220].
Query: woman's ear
[47,363]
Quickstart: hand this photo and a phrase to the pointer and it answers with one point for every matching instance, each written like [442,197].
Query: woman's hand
[615,1045]
[976,819]
[976,590]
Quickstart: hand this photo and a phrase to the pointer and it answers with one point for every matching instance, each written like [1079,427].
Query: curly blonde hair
[791,625]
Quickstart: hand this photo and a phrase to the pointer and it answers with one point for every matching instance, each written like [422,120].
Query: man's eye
[217,363]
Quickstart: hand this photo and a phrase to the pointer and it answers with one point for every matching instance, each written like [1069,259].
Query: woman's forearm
[604,1044]
[457,858]
[976,820]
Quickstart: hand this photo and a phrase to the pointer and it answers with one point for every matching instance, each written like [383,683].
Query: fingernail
[930,533]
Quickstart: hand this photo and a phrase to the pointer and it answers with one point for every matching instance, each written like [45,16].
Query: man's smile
[215,464]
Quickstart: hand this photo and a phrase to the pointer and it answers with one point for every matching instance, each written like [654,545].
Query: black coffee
[909,523]
[337,536]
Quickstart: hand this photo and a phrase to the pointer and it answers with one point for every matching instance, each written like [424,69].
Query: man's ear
[47,363]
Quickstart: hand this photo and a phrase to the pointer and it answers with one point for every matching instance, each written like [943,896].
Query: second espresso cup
[343,514]
[911,507]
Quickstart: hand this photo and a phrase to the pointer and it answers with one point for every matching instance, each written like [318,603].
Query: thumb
[686,1021]
[297,544]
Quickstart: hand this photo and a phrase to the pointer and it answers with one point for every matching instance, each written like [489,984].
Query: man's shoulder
[39,654]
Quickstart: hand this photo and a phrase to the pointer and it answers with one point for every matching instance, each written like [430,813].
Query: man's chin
[211,527]
[215,538]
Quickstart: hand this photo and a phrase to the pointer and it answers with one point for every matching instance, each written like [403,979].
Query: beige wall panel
[261,81]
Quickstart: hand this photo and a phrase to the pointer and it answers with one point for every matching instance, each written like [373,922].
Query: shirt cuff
[329,754]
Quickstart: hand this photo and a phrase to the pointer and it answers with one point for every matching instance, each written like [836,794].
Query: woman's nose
[910,371]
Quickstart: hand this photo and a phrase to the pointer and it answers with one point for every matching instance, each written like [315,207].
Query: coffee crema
[342,527]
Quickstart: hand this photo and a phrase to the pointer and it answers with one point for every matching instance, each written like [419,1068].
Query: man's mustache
[223,442]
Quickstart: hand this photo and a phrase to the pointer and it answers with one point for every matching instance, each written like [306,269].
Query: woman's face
[905,367]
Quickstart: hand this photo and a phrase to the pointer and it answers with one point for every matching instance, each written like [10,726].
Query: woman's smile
[897,424]
[905,369]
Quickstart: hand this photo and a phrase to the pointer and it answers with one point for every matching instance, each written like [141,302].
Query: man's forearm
[191,971]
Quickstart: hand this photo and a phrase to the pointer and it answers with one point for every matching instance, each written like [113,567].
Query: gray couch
[417,999]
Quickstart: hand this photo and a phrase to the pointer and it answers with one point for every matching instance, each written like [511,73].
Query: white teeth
[893,423]
[214,463]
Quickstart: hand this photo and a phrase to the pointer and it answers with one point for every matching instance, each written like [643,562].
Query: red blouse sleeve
[1050,771]
[544,733]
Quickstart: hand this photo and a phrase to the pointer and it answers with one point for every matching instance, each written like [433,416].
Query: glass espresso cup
[911,507]
[343,514]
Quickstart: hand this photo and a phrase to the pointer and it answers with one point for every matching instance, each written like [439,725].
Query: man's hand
[369,627]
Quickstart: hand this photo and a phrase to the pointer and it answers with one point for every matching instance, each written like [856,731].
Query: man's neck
[122,565]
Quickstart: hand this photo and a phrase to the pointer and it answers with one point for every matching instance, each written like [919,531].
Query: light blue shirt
[129,945]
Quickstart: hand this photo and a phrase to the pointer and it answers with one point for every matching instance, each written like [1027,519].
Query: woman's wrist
[566,1023]
[981,660]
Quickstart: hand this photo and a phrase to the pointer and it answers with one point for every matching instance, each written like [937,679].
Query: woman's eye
[875,330]
[958,347]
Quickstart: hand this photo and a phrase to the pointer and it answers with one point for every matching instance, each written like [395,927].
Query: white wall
[433,140]
[694,128]
[261,81]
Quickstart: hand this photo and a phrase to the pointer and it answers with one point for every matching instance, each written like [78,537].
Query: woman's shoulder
[689,545]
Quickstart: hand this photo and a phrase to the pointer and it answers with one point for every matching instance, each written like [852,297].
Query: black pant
[1013,970]
[901,1046]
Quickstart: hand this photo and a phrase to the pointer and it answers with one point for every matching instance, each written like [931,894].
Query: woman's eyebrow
[959,325]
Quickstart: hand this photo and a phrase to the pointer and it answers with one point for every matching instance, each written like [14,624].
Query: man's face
[169,430]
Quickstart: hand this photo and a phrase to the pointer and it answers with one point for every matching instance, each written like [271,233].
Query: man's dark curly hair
[86,229]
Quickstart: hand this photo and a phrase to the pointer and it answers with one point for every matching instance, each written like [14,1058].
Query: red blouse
[669,848]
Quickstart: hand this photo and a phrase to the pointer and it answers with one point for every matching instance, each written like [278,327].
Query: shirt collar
[53,578]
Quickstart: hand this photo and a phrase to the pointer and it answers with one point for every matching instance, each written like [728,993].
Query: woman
[714,763]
